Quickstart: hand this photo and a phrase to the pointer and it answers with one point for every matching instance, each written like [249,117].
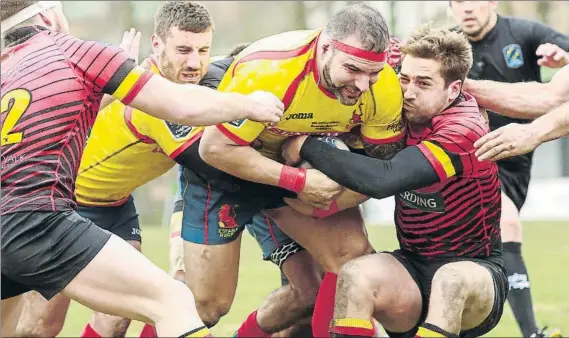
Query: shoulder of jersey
[272,63]
[282,42]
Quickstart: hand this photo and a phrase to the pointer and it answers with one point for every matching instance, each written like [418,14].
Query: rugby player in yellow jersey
[128,148]
[331,81]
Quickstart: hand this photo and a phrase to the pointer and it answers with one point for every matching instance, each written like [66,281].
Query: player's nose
[362,83]
[409,93]
[193,61]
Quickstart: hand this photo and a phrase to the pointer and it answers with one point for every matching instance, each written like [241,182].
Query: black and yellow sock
[351,327]
[431,331]
[200,332]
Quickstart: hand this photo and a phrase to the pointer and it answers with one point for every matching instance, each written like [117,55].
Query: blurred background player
[72,254]
[128,148]
[335,79]
[509,49]
[447,278]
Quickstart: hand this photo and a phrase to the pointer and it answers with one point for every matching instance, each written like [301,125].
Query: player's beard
[420,115]
[335,90]
[174,74]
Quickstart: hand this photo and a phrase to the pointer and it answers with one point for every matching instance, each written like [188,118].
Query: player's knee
[41,329]
[354,280]
[451,281]
[304,298]
[346,252]
[174,298]
[107,325]
[211,310]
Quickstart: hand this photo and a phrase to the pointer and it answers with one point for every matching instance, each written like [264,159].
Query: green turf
[546,253]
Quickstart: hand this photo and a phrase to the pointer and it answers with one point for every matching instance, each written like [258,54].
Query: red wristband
[323,213]
[292,179]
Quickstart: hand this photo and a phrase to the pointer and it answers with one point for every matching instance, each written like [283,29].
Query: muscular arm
[384,151]
[552,125]
[407,170]
[189,104]
[527,100]
[244,162]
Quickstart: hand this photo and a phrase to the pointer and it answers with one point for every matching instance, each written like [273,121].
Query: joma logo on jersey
[432,202]
[300,116]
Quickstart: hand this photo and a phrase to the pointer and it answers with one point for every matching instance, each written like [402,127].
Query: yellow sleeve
[172,138]
[245,78]
[382,109]
[126,84]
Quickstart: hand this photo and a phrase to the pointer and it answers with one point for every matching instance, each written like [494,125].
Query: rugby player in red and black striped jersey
[448,276]
[52,85]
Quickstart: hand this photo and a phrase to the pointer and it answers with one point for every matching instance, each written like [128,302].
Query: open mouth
[351,92]
[190,77]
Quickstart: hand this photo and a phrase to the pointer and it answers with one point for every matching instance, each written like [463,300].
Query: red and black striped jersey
[52,85]
[460,215]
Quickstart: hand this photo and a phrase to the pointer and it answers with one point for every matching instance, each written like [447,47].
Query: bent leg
[378,286]
[295,299]
[121,220]
[40,317]
[211,273]
[212,225]
[332,242]
[133,287]
[111,326]
[463,296]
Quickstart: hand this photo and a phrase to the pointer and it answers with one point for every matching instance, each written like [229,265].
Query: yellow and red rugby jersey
[126,149]
[285,65]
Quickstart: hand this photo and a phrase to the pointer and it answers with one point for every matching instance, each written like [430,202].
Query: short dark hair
[187,16]
[11,7]
[450,49]
[363,20]
[238,49]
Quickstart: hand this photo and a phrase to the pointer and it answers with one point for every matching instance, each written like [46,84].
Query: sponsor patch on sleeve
[178,131]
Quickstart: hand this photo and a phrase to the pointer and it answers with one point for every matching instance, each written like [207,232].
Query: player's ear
[453,90]
[156,42]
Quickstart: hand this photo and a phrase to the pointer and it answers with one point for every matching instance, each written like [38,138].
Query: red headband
[359,53]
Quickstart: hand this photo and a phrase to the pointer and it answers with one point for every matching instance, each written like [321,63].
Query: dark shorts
[44,251]
[422,271]
[121,220]
[515,185]
[214,217]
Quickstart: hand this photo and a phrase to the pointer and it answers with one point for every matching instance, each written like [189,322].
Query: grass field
[546,253]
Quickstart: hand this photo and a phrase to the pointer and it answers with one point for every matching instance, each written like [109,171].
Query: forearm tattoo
[384,151]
